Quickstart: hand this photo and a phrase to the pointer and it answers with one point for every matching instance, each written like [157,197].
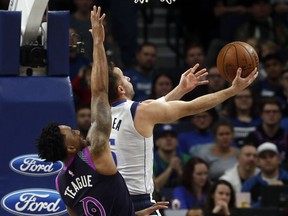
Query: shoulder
[251,182]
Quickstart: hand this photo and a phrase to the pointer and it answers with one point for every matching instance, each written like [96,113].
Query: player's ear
[121,89]
[71,149]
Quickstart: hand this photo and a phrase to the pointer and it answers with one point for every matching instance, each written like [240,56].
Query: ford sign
[32,165]
[34,201]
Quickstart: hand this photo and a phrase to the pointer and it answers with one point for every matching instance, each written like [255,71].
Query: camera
[33,55]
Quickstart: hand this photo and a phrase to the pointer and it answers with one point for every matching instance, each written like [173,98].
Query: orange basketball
[234,55]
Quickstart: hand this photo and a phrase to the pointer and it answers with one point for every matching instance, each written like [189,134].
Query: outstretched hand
[240,83]
[190,80]
[97,31]
[156,206]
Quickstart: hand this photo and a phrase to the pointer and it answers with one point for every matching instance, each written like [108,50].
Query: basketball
[234,55]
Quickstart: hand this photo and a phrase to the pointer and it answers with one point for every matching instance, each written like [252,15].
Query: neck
[271,175]
[270,130]
[221,150]
[167,156]
[197,191]
[244,173]
[143,70]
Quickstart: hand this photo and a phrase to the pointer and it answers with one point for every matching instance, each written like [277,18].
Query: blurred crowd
[205,160]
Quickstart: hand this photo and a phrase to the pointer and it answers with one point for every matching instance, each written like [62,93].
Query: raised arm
[189,80]
[157,112]
[99,132]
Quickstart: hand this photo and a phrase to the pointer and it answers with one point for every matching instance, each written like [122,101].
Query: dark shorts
[142,201]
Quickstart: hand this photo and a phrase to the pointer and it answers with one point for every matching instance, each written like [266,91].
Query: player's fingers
[162,203]
[253,74]
[187,71]
[201,76]
[195,67]
[239,72]
[199,73]
[203,82]
[98,12]
[102,17]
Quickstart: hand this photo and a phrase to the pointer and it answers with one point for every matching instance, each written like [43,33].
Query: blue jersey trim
[118,102]
[133,109]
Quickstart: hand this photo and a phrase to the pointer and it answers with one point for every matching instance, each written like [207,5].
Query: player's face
[125,83]
[73,140]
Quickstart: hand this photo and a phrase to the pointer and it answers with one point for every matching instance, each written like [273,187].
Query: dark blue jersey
[89,193]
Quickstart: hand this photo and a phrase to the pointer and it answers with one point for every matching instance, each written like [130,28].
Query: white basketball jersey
[134,153]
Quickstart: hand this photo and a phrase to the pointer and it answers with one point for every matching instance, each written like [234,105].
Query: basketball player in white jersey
[131,138]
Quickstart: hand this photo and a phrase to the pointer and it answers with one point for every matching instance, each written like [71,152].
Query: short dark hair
[145,44]
[222,122]
[270,100]
[50,144]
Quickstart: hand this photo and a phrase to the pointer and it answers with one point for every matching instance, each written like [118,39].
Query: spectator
[76,59]
[220,200]
[201,132]
[142,74]
[111,46]
[167,166]
[262,25]
[245,168]
[216,83]
[83,114]
[80,21]
[283,93]
[270,130]
[241,111]
[231,15]
[162,84]
[271,174]
[81,86]
[280,8]
[194,53]
[192,192]
[124,25]
[192,29]
[221,155]
[273,66]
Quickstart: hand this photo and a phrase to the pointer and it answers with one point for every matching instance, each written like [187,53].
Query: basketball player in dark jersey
[89,183]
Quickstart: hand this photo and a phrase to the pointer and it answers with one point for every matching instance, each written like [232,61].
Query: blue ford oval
[34,201]
[32,165]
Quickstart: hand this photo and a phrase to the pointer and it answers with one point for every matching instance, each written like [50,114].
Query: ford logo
[32,165]
[34,201]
